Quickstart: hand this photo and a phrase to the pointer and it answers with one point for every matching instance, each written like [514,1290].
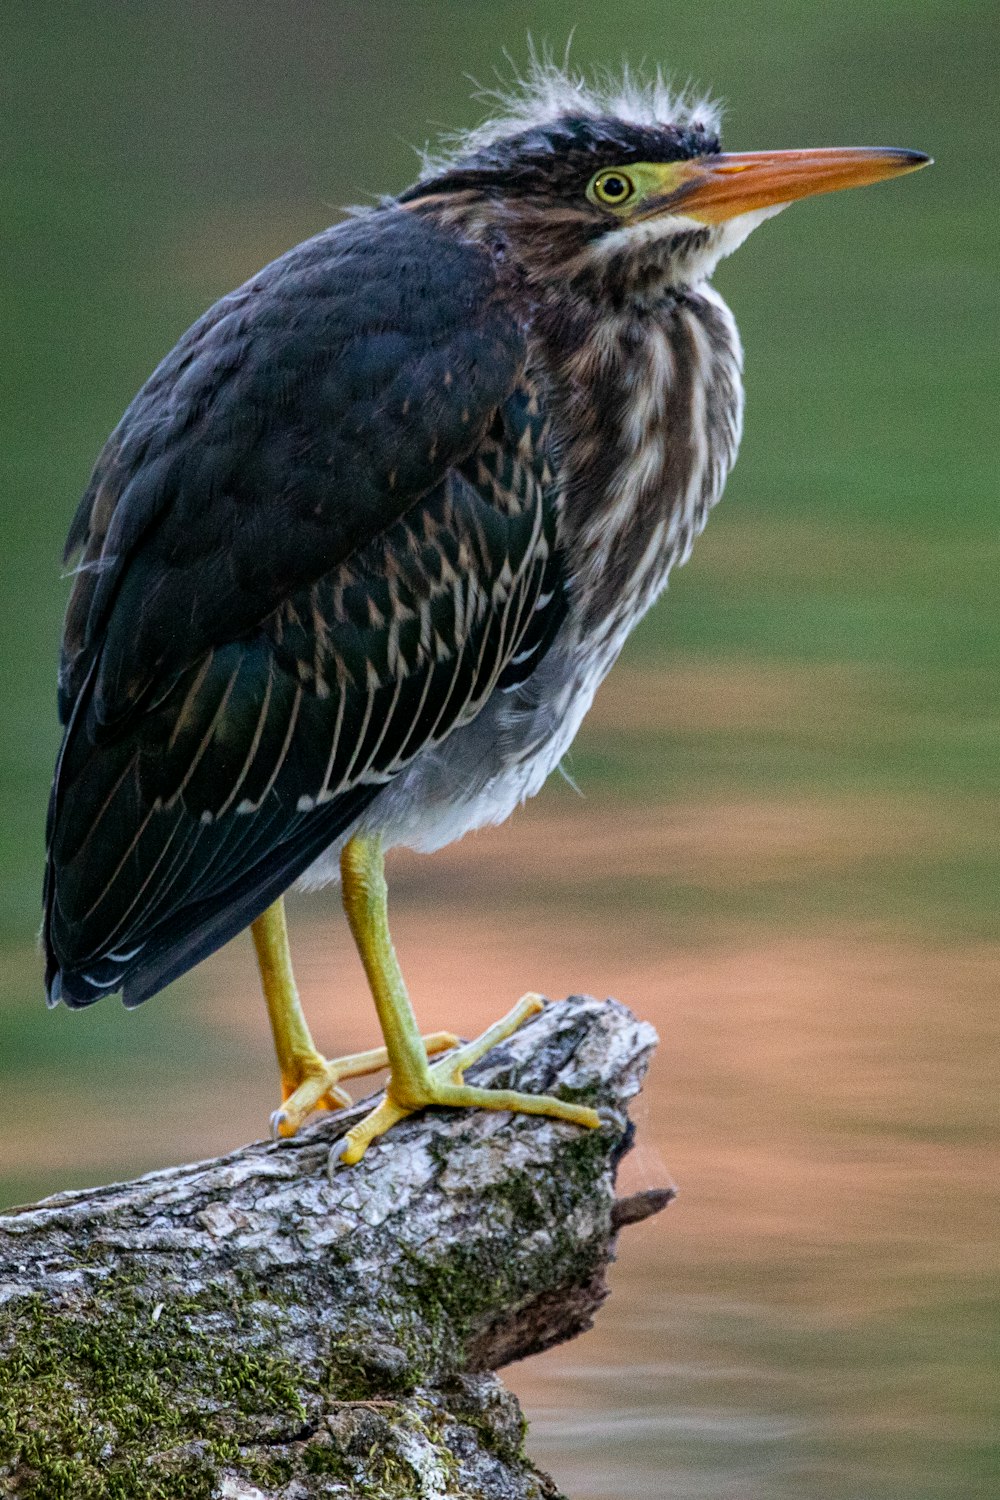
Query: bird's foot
[444,1084]
[315,1081]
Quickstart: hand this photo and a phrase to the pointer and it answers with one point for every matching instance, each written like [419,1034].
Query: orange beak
[713,188]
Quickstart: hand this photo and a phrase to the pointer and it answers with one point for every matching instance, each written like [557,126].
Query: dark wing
[301,415]
[205,770]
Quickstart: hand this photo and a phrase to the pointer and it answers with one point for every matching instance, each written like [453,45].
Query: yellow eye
[611,188]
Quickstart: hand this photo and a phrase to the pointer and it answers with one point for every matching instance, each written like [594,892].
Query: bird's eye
[611,189]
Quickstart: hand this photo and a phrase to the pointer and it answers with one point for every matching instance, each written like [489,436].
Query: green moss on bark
[456,1296]
[86,1396]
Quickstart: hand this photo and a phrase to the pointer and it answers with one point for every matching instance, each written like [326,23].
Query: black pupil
[614,187]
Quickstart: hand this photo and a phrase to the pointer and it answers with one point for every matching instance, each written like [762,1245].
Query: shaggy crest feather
[548,91]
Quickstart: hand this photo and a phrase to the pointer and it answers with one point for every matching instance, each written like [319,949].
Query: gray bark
[263,1325]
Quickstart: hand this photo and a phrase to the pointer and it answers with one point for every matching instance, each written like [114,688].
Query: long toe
[317,1082]
[444,1085]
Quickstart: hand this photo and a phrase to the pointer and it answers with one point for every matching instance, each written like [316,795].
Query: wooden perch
[265,1326]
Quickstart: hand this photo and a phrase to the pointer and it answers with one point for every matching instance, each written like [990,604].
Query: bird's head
[621,194]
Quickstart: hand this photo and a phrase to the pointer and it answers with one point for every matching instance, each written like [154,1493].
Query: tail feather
[196,929]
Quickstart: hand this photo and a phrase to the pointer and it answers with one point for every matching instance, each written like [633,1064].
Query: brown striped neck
[653,396]
[639,364]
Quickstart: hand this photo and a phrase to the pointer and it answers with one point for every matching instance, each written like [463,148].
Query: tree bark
[266,1327]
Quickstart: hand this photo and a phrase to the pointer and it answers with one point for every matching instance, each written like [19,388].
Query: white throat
[700,246]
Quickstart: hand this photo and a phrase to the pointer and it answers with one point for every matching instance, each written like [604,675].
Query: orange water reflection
[815,1316]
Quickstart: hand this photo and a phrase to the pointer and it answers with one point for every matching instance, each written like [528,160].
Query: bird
[354,562]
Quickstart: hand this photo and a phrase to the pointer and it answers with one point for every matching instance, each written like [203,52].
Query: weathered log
[264,1325]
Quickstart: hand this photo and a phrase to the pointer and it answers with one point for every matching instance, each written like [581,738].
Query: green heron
[357,556]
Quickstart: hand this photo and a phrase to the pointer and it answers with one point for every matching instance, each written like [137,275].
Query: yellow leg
[413,1083]
[308,1080]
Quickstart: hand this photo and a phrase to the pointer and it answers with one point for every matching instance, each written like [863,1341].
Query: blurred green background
[814,703]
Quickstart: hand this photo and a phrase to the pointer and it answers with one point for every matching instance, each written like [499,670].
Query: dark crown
[563,154]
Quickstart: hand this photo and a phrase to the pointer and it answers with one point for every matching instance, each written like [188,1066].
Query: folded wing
[247,663]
